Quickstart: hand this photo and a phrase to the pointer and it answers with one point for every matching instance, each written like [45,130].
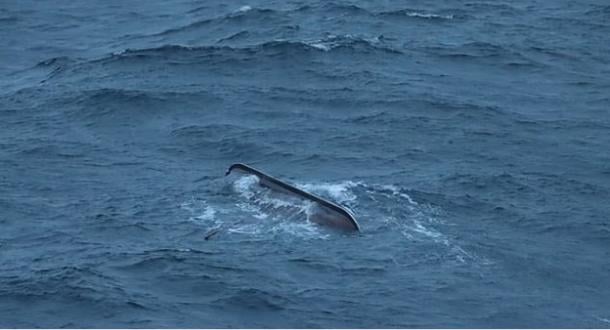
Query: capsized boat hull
[325,212]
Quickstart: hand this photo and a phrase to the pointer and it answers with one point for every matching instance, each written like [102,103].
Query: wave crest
[189,54]
[236,17]
[410,13]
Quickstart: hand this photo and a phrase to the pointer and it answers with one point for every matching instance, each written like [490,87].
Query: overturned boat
[325,212]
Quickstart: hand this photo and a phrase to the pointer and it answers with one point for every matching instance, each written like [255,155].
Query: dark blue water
[470,138]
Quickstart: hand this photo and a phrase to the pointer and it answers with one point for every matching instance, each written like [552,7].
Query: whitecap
[396,191]
[319,45]
[207,215]
[427,15]
[247,229]
[341,192]
[244,185]
[244,9]
[253,209]
[200,211]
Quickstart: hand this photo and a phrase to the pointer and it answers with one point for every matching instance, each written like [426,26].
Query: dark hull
[326,212]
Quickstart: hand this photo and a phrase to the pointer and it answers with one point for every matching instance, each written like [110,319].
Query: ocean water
[470,138]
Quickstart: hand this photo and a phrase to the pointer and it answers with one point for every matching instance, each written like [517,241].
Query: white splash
[331,41]
[247,229]
[428,16]
[244,9]
[208,214]
[244,185]
[396,191]
[255,210]
[272,212]
[420,228]
[319,45]
[340,192]
[260,201]
[415,221]
[200,211]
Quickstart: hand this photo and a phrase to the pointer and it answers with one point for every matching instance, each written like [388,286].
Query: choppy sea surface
[470,138]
